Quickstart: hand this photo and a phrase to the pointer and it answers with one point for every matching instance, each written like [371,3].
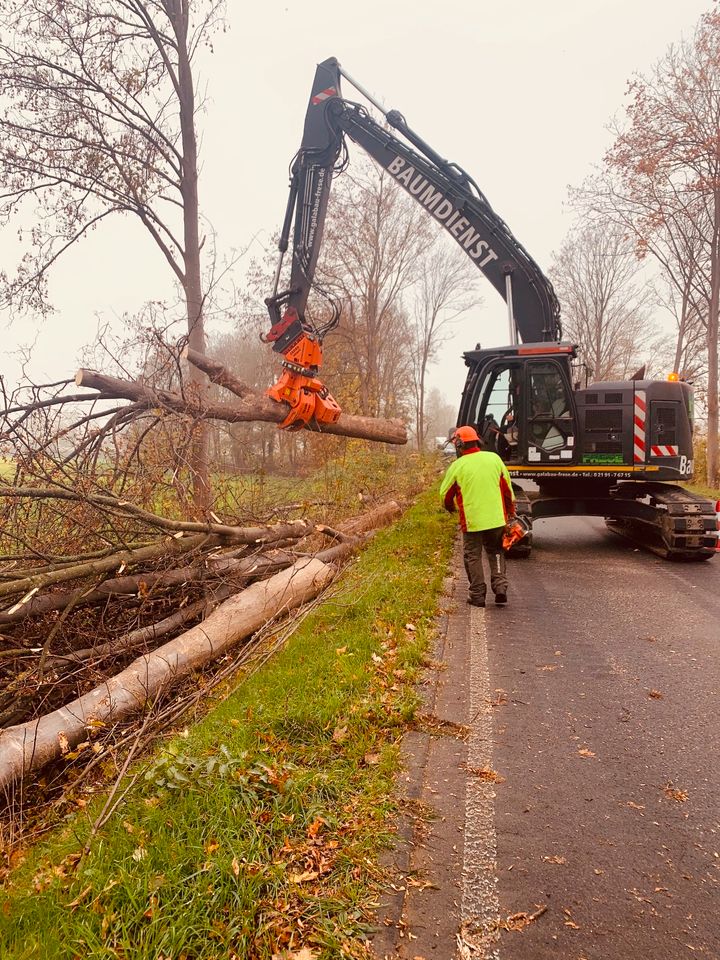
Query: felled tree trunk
[251,407]
[29,746]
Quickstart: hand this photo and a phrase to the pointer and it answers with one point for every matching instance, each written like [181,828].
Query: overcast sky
[519,94]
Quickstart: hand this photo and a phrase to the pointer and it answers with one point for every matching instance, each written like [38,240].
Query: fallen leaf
[315,827]
[340,650]
[486,774]
[211,846]
[636,806]
[555,859]
[674,794]
[64,743]
[548,667]
[303,877]
[655,695]
[235,866]
[371,759]
[584,752]
[421,884]
[139,853]
[411,627]
[340,734]
[80,897]
[305,953]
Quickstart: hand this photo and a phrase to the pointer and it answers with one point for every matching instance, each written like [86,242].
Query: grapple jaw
[298,385]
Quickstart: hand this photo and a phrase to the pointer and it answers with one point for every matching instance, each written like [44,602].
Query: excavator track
[674,523]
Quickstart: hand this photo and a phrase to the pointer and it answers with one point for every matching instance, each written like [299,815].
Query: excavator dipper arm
[443,189]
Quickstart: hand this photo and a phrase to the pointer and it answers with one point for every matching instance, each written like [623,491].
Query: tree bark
[219,374]
[29,746]
[260,534]
[255,408]
[379,516]
[166,548]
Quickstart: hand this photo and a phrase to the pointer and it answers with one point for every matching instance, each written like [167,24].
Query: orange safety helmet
[465,437]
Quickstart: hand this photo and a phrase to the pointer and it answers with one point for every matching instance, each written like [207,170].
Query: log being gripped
[250,407]
[29,746]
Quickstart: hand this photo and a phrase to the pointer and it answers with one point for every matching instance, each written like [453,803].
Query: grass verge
[711,492]
[256,833]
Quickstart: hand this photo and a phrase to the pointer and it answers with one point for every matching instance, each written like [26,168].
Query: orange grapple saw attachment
[298,385]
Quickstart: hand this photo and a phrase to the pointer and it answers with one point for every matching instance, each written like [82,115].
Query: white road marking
[480,902]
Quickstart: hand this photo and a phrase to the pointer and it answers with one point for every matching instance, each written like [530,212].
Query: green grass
[712,492]
[259,830]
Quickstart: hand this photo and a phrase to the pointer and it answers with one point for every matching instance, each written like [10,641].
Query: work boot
[500,598]
[476,603]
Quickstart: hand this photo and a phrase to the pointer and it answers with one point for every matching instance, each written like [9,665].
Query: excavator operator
[478,485]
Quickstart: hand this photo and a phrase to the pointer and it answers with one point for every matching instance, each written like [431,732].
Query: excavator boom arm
[443,189]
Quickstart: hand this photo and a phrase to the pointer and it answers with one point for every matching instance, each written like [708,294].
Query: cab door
[496,408]
[551,423]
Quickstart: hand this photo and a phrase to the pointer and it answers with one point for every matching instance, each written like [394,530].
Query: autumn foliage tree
[98,119]
[661,180]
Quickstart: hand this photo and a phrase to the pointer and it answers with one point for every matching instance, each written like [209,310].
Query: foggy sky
[518,94]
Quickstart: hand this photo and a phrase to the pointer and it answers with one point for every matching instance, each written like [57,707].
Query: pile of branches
[111,589]
[73,628]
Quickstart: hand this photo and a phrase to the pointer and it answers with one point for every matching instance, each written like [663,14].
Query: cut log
[117,586]
[379,516]
[29,746]
[166,548]
[256,407]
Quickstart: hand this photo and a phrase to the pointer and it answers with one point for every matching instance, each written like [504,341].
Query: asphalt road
[605,673]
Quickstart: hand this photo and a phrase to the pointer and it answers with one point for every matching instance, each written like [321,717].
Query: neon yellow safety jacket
[478,483]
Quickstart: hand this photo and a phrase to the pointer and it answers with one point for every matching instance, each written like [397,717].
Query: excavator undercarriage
[671,521]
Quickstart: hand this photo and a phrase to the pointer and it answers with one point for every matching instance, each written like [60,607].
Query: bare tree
[596,277]
[440,415]
[99,108]
[447,288]
[374,241]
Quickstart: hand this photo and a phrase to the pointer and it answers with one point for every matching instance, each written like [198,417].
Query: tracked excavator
[615,450]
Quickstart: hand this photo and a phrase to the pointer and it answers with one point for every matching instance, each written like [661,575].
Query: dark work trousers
[473,545]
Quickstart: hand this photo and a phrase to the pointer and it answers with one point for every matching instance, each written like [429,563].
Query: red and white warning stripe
[665,451]
[324,95]
[639,417]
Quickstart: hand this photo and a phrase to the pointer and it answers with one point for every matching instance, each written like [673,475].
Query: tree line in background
[101,117]
[649,230]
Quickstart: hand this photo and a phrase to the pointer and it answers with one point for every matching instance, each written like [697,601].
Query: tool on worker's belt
[515,529]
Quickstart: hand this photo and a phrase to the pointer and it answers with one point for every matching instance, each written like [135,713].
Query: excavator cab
[520,400]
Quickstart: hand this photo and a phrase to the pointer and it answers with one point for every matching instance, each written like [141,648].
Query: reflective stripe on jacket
[478,483]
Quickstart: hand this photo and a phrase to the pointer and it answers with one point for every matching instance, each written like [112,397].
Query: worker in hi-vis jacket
[478,485]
